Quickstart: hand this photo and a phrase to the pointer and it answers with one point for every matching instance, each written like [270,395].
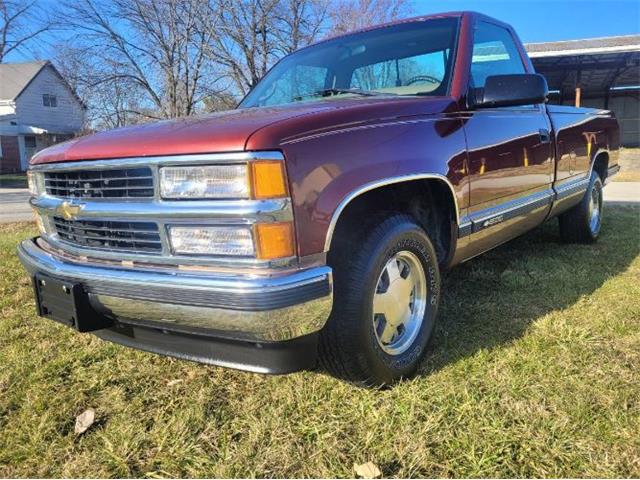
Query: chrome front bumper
[255,308]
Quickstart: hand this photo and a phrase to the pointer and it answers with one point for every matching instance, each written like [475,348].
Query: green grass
[13,180]
[535,372]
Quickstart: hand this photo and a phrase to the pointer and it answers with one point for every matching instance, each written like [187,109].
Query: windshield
[414,58]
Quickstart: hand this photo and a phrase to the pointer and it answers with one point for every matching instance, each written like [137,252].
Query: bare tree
[220,102]
[251,35]
[156,48]
[132,60]
[21,22]
[299,23]
[112,100]
[348,15]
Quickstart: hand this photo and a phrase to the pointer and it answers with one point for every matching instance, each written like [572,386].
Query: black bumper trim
[259,357]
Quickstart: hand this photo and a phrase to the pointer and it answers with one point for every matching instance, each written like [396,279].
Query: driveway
[622,193]
[14,205]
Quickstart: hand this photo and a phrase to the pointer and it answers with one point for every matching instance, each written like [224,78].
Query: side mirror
[512,90]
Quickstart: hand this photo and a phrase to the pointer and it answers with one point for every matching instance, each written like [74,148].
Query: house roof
[587,46]
[14,78]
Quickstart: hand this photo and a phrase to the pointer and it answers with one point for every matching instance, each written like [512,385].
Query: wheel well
[430,202]
[601,165]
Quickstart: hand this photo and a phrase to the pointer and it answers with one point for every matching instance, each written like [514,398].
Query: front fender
[328,169]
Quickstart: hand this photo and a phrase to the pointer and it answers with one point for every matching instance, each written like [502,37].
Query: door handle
[545,136]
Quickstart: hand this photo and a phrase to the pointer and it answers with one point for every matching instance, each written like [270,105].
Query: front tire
[386,295]
[581,224]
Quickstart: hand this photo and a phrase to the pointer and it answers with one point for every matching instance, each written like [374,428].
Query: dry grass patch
[626,176]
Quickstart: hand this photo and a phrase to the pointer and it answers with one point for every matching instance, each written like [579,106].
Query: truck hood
[230,131]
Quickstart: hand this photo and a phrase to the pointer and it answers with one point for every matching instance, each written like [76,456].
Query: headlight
[258,179]
[265,241]
[210,181]
[212,240]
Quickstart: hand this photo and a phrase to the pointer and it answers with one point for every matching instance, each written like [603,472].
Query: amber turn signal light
[274,240]
[268,179]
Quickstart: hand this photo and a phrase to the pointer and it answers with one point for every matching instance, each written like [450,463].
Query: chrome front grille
[141,237]
[112,210]
[111,183]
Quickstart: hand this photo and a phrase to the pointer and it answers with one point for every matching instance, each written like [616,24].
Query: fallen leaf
[367,470]
[85,420]
[171,383]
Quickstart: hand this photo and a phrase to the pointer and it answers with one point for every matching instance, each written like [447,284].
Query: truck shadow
[493,299]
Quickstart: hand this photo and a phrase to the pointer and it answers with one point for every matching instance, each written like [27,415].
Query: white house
[37,109]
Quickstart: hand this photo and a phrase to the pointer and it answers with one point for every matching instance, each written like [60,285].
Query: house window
[30,141]
[49,100]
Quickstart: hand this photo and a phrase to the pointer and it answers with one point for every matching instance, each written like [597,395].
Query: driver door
[509,148]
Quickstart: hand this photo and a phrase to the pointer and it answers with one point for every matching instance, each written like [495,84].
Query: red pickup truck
[310,225]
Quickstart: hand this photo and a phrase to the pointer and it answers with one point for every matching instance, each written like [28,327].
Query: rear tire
[581,224]
[386,295]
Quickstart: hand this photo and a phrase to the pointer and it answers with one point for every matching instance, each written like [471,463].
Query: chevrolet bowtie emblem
[69,210]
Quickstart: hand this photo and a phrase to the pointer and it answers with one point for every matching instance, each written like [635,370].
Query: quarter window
[494,53]
[49,100]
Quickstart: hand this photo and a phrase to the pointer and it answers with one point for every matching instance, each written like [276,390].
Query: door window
[494,53]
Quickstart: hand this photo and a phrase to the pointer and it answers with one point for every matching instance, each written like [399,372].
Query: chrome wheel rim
[595,209]
[399,303]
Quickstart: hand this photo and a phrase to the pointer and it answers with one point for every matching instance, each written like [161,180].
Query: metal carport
[597,73]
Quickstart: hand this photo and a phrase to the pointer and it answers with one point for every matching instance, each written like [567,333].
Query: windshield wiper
[336,91]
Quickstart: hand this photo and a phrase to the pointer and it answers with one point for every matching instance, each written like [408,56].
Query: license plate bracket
[67,303]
